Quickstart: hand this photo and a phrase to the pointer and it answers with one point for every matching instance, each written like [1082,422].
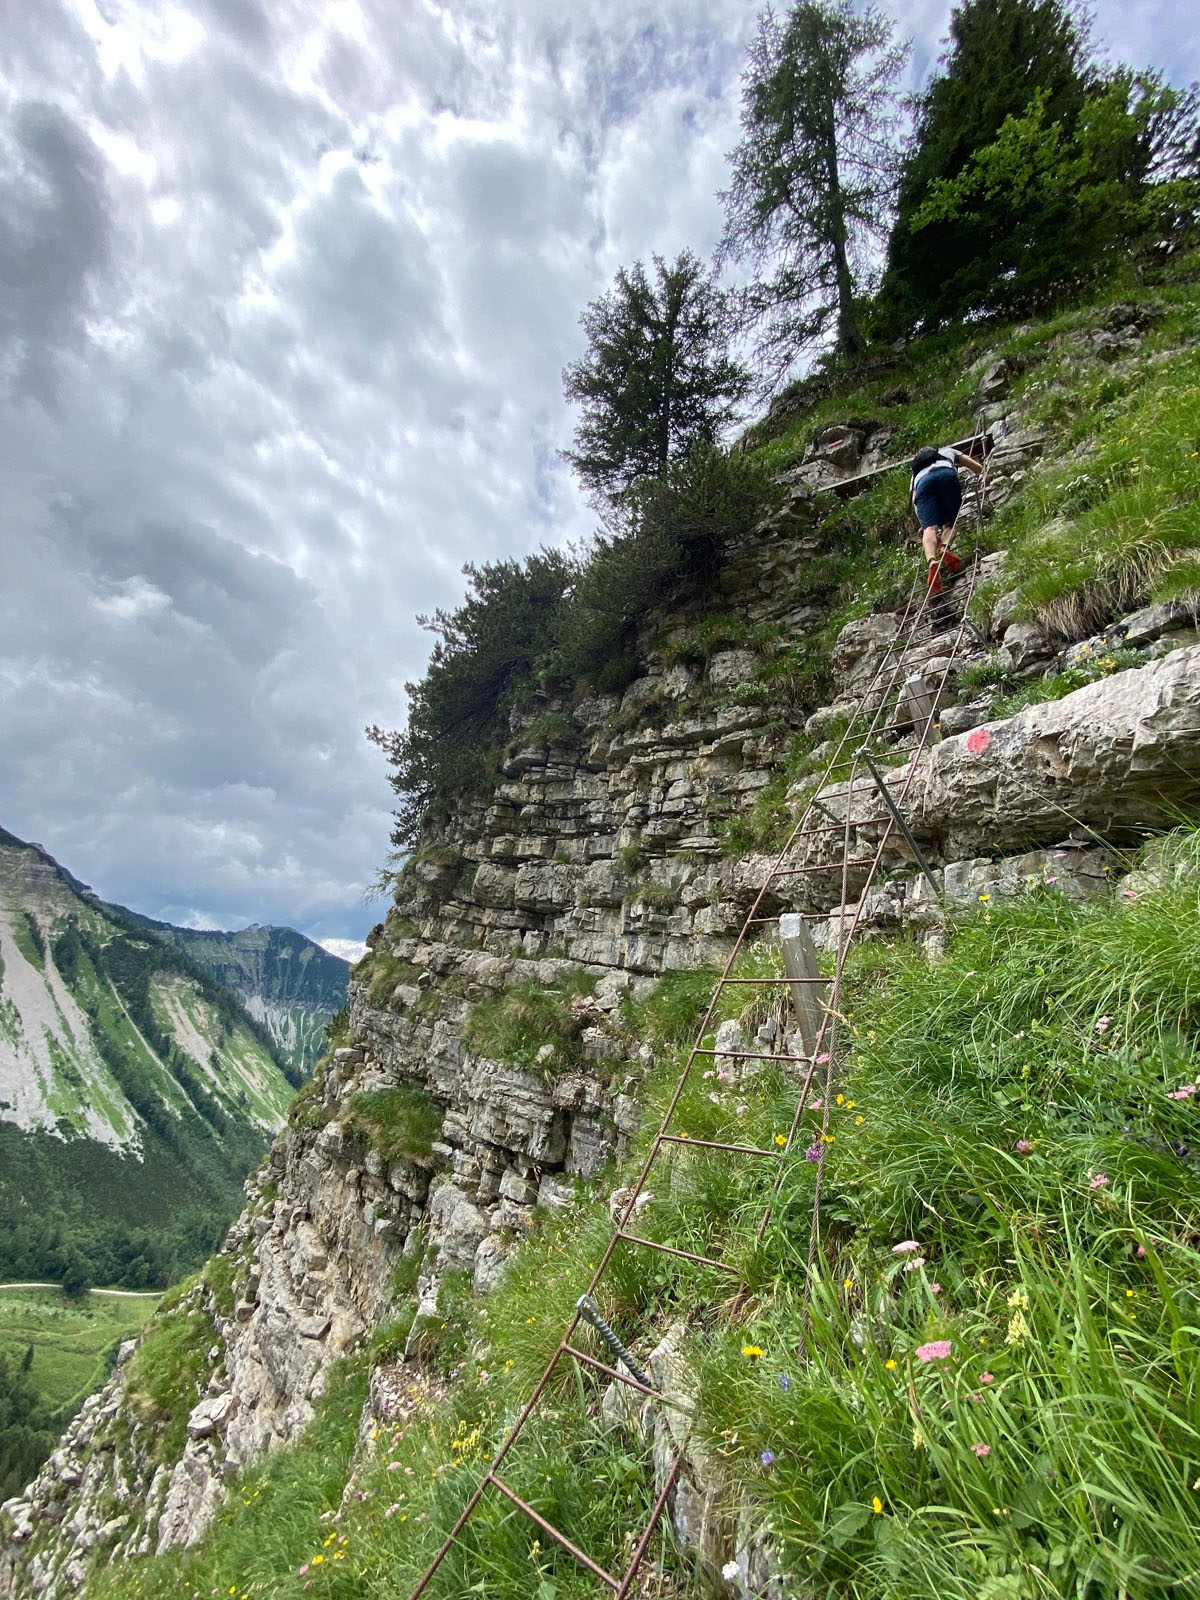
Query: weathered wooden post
[800,966]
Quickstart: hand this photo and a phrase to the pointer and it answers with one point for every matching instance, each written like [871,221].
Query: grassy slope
[1111,522]
[1054,1448]
[71,1339]
[1012,1110]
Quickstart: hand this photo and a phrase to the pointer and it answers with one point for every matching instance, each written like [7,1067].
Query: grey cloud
[46,43]
[243,20]
[55,237]
[364,283]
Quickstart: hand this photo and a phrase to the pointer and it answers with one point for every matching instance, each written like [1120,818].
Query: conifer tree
[813,176]
[1003,56]
[657,379]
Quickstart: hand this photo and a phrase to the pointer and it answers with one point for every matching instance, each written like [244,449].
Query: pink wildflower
[1185,1092]
[1023,1147]
[935,1350]
[935,1288]
[913,1264]
[986,1377]
[1103,1024]
[1141,1251]
[982,1450]
[905,1247]
[1099,1181]
[822,1059]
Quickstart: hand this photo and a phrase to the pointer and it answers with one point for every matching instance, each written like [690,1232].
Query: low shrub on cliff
[401,1123]
[170,1367]
[383,971]
[529,1024]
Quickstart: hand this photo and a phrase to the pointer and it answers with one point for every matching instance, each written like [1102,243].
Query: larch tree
[813,176]
[657,380]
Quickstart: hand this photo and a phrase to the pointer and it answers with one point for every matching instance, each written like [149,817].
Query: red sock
[935,577]
[951,562]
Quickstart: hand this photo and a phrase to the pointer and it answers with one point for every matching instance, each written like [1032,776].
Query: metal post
[804,975]
[886,797]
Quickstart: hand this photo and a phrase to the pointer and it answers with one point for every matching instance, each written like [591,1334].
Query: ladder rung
[860,822]
[813,866]
[751,1055]
[716,1144]
[624,1377]
[805,916]
[670,1250]
[724,981]
[548,1527]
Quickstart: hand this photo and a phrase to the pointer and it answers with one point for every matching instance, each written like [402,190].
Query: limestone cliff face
[599,852]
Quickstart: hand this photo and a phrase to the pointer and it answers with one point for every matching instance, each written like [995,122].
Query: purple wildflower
[767,1458]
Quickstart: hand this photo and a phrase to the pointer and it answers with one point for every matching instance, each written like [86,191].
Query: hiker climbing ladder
[817,1006]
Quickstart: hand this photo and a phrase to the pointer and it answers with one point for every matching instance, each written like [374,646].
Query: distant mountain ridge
[136,1091]
[286,981]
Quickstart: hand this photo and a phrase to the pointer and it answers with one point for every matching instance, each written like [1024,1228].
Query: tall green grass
[1109,524]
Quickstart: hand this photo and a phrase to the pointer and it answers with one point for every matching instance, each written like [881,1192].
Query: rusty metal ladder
[876,704]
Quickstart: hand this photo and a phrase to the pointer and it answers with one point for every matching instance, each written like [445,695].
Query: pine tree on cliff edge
[814,174]
[657,379]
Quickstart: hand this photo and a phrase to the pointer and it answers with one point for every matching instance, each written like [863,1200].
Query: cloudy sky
[286,290]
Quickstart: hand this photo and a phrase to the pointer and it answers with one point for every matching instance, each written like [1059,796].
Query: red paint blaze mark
[978,741]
